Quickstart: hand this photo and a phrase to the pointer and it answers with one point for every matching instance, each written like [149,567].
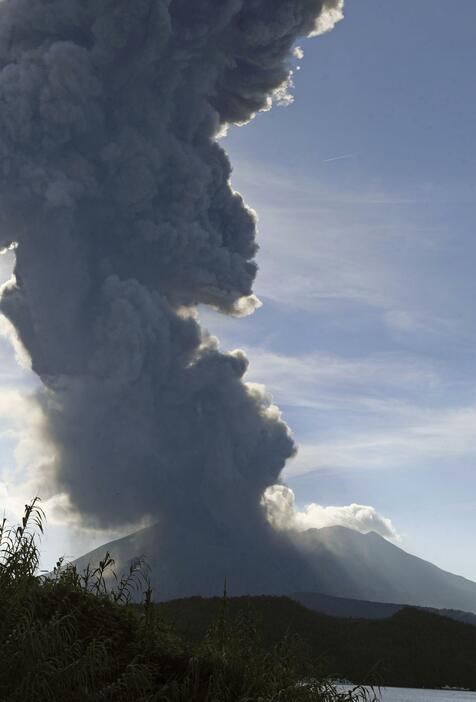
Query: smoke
[280,505]
[116,197]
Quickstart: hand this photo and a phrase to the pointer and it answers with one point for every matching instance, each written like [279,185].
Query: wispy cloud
[344,157]
[329,249]
[432,436]
[370,346]
[377,412]
[329,381]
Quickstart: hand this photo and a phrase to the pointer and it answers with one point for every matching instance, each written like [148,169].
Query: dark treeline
[413,648]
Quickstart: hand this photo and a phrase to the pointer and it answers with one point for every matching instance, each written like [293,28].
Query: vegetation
[413,648]
[66,637]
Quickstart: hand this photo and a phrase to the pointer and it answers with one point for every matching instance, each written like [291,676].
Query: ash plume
[117,198]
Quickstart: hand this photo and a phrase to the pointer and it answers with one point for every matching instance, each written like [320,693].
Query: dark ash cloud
[118,196]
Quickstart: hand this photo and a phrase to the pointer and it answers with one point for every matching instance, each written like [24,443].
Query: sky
[365,189]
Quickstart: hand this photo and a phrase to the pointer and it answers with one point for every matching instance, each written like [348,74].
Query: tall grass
[67,637]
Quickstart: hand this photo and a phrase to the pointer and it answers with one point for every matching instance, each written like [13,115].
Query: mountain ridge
[348,608]
[368,567]
[339,562]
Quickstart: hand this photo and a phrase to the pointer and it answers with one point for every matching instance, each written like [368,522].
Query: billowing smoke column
[117,194]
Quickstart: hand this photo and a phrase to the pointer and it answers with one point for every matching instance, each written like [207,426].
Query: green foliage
[68,637]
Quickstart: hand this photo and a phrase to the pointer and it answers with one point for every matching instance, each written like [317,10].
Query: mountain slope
[335,560]
[367,567]
[186,561]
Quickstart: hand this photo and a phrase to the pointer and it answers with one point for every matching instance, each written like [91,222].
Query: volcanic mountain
[342,563]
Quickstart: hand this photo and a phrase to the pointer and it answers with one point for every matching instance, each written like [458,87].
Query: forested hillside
[410,649]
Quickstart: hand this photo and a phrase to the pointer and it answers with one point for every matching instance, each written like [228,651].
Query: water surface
[400,694]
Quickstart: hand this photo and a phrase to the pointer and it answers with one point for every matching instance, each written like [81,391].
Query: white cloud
[280,506]
[24,451]
[8,332]
[333,13]
[17,409]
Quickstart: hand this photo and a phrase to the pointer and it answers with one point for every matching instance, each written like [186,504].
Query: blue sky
[365,189]
[367,334]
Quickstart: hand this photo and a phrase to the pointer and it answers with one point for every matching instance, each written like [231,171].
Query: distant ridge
[347,608]
[413,648]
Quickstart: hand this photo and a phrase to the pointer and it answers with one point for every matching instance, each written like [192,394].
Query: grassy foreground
[66,637]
